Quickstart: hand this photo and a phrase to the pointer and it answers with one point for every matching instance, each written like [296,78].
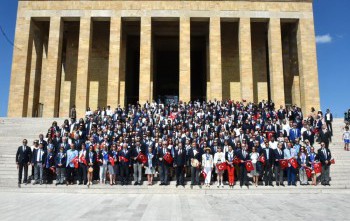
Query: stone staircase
[13,130]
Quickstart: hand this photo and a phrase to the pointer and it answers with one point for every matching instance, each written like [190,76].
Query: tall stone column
[17,106]
[309,88]
[215,58]
[185,59]
[83,65]
[51,77]
[145,60]
[113,67]
[275,62]
[245,59]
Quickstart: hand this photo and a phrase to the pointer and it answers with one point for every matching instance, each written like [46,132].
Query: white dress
[219,158]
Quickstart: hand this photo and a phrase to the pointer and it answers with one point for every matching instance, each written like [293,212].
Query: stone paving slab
[250,206]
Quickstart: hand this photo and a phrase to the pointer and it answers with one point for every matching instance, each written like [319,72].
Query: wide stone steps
[13,130]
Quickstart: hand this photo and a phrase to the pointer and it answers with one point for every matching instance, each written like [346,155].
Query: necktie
[244,154]
[39,155]
[279,151]
[24,149]
[267,153]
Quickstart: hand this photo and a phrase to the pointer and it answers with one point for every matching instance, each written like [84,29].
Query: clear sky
[332,24]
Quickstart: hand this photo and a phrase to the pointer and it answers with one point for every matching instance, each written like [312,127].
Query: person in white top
[346,137]
[273,143]
[219,157]
[207,165]
[254,156]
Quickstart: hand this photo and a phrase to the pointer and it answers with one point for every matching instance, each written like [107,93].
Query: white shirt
[273,145]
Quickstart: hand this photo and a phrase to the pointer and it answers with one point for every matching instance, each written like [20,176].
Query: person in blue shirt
[71,170]
[289,153]
[294,133]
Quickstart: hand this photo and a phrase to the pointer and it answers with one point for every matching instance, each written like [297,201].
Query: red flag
[293,162]
[269,134]
[123,159]
[221,166]
[332,161]
[262,159]
[308,172]
[111,160]
[283,163]
[168,158]
[249,165]
[83,160]
[142,158]
[204,174]
[318,167]
[76,162]
[236,160]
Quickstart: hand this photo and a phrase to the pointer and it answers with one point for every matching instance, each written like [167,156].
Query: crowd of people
[210,143]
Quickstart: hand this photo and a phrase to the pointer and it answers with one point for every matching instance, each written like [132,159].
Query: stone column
[51,77]
[215,58]
[145,60]
[185,60]
[113,67]
[83,65]
[245,59]
[19,78]
[275,62]
[309,88]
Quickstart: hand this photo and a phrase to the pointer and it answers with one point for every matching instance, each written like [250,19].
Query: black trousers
[48,175]
[329,127]
[180,175]
[82,173]
[243,179]
[268,173]
[71,171]
[22,167]
[124,174]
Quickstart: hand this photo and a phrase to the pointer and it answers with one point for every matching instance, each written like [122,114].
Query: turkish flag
[83,160]
[221,166]
[236,160]
[168,158]
[332,161]
[318,167]
[283,163]
[262,159]
[76,162]
[142,158]
[308,172]
[204,174]
[269,134]
[249,165]
[293,162]
[111,160]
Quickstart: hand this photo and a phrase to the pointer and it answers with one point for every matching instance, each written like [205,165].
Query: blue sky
[333,52]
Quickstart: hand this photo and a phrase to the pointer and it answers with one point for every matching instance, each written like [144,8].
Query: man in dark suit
[279,155]
[23,158]
[124,164]
[38,160]
[42,141]
[180,164]
[324,136]
[329,119]
[163,165]
[269,161]
[243,155]
[135,151]
[324,154]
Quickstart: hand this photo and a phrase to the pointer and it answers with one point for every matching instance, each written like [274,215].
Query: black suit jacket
[23,156]
[198,156]
[278,156]
[310,137]
[324,158]
[241,157]
[271,156]
[180,160]
[43,158]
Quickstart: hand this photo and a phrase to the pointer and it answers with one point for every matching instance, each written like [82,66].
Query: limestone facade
[96,53]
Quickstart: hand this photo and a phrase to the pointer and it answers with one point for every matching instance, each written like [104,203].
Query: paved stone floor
[68,206]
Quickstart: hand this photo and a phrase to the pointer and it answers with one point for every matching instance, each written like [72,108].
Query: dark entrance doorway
[165,60]
[131,43]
